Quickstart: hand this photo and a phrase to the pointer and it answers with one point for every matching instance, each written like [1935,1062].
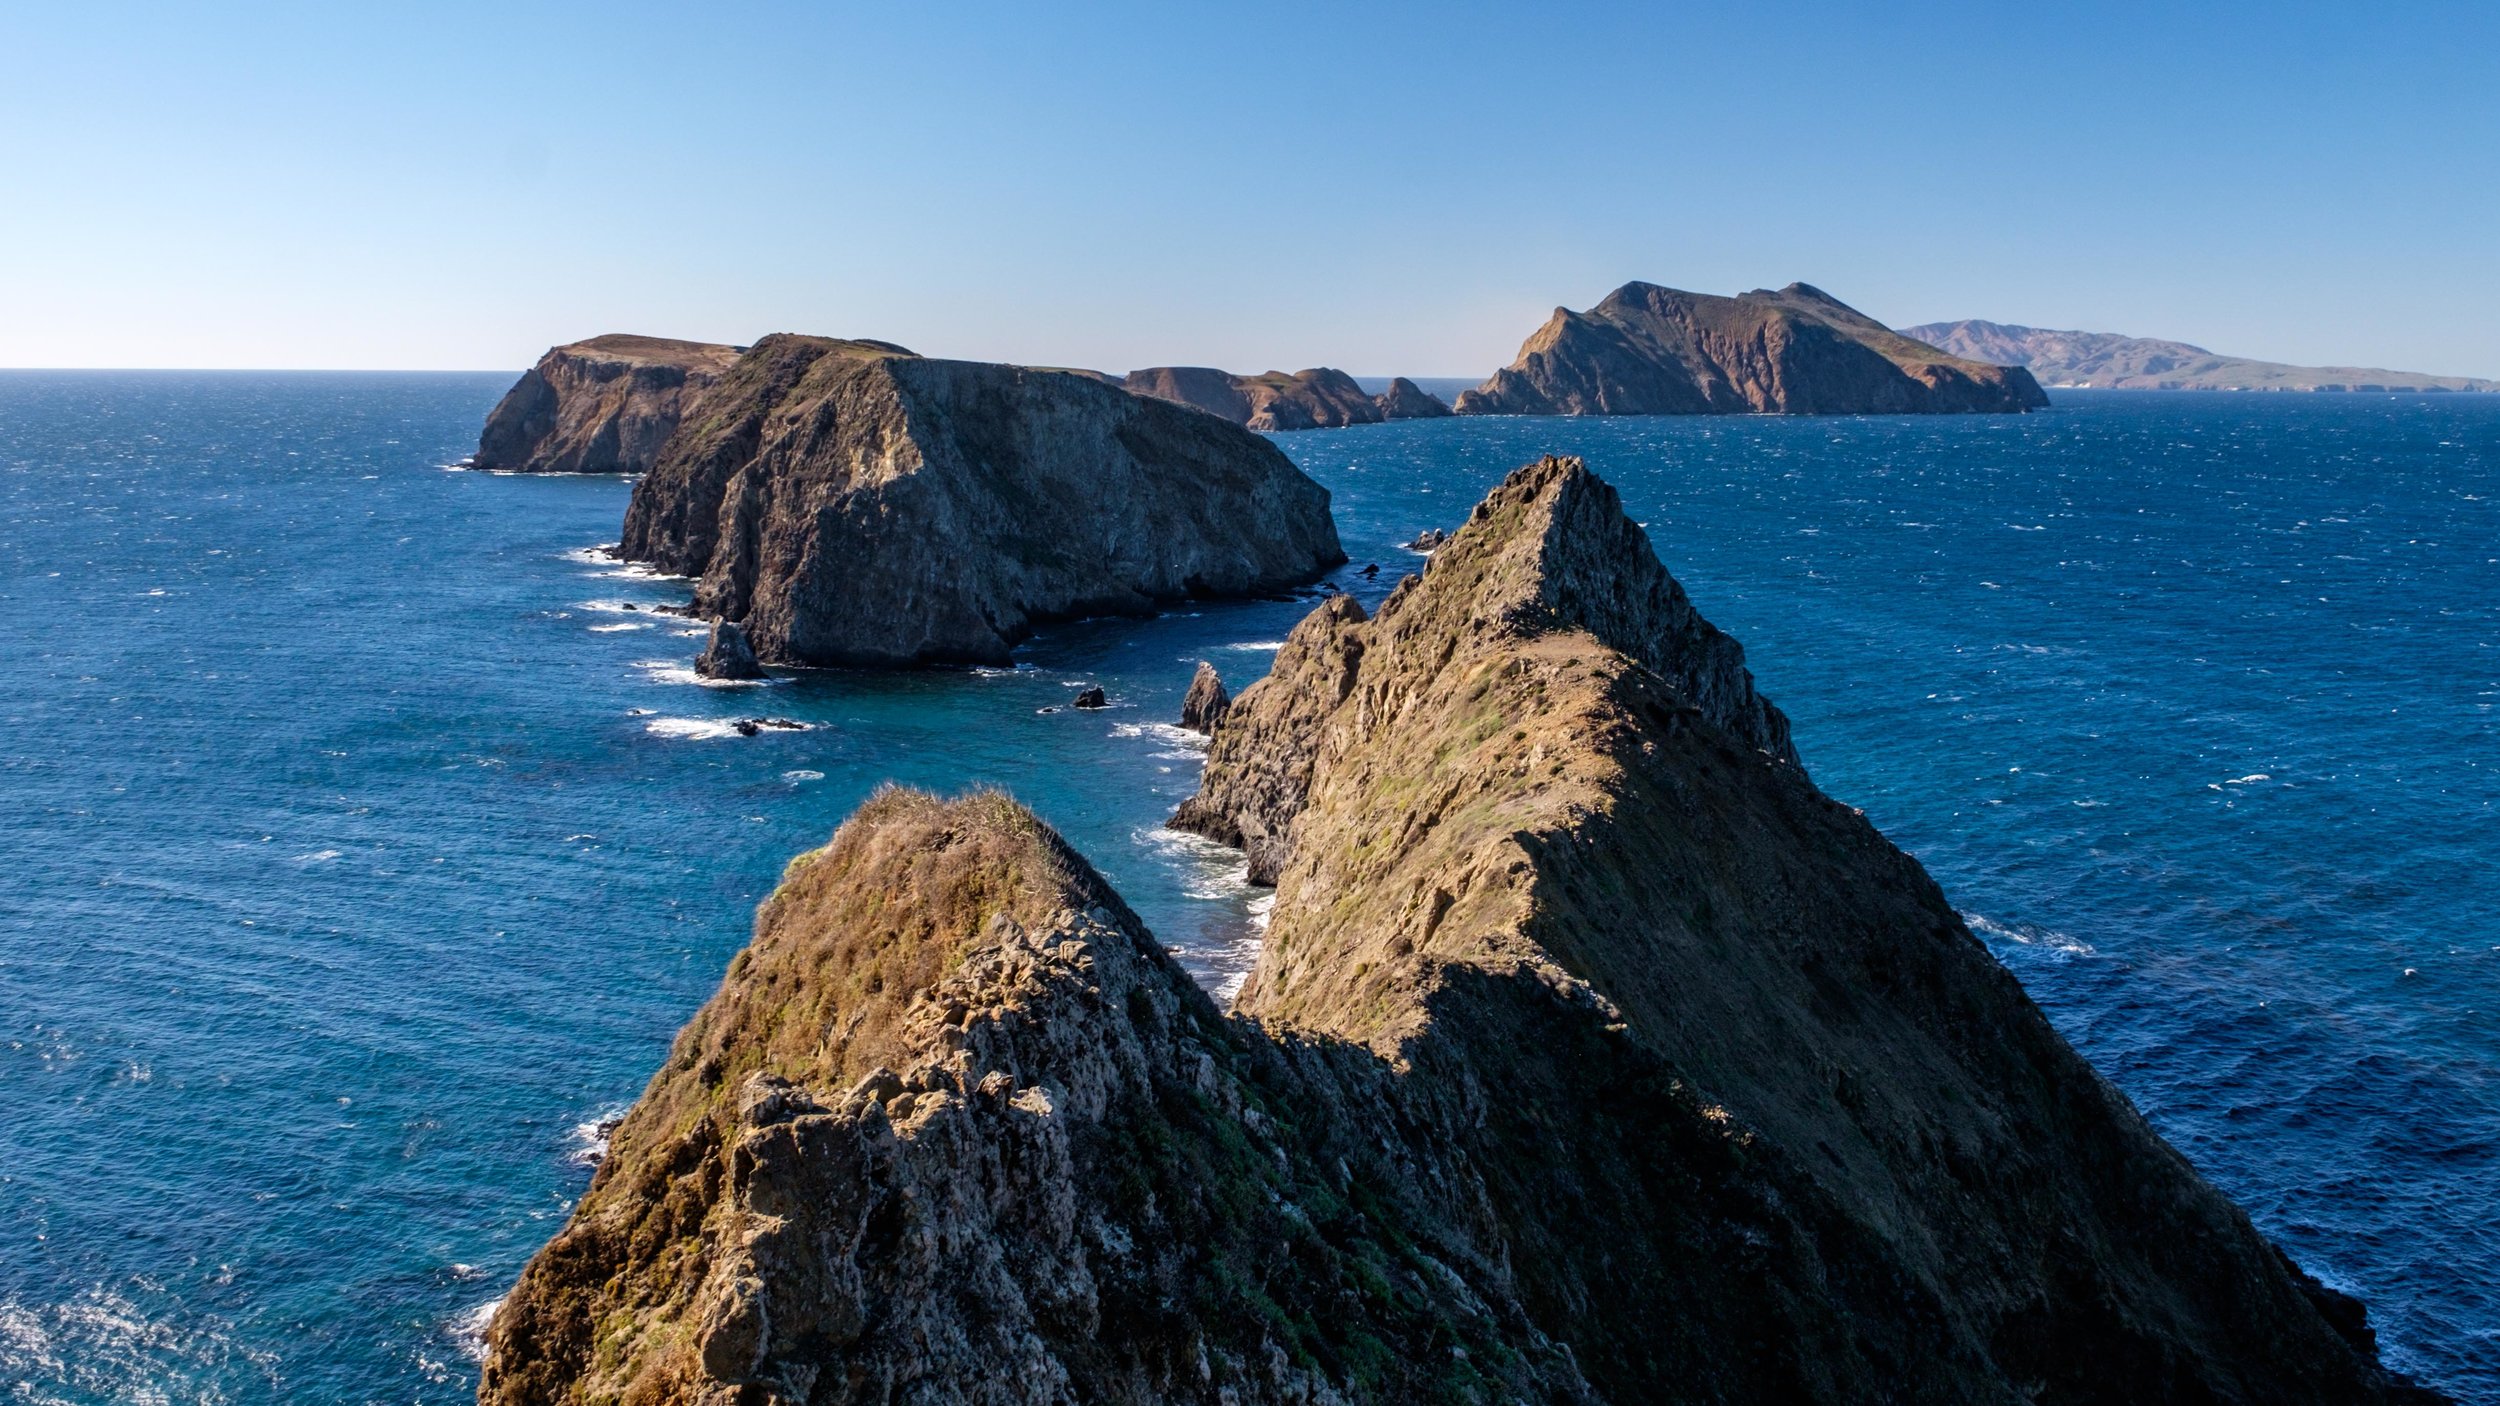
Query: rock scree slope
[606,405]
[1648,350]
[1593,1055]
[850,503]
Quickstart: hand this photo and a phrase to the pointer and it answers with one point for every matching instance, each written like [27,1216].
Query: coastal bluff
[1592,1055]
[1317,399]
[1648,350]
[603,406]
[849,503]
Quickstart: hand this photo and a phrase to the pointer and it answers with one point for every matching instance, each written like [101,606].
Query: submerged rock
[854,504]
[1091,698]
[607,405]
[1320,398]
[727,655]
[1648,350]
[1427,540]
[1203,707]
[1404,400]
[1593,1055]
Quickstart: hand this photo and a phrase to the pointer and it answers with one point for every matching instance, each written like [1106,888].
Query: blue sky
[1383,188]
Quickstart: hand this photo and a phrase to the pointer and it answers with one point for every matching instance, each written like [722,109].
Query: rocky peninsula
[1593,1055]
[608,405]
[847,502]
[1648,350]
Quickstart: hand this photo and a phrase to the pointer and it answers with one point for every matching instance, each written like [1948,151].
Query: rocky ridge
[1593,1055]
[1320,398]
[606,405]
[849,503]
[2108,361]
[1404,400]
[1648,350]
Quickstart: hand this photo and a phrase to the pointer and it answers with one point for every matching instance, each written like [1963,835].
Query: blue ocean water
[361,851]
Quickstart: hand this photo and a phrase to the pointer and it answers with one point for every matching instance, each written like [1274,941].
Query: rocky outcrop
[1091,698]
[1648,350]
[1431,539]
[727,655]
[1404,400]
[1320,398]
[608,405]
[2108,361]
[1593,1055]
[852,504]
[1205,704]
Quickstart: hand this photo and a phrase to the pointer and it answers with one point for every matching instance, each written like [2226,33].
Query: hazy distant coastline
[2109,361]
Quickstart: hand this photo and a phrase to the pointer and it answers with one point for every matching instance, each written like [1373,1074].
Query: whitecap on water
[1209,871]
[620,627]
[798,776]
[701,729]
[319,856]
[1193,745]
[2026,935]
[1248,645]
[589,1138]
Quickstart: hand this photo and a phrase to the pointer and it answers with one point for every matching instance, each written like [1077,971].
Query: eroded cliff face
[1593,1055]
[1648,350]
[1320,398]
[607,405]
[1404,400]
[851,504]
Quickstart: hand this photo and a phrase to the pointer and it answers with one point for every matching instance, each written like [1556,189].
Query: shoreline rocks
[727,655]
[1647,350]
[1205,703]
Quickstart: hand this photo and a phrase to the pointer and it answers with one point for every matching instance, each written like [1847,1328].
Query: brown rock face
[1320,398]
[1593,1055]
[1404,400]
[1207,700]
[727,655]
[608,405]
[852,504]
[1648,350]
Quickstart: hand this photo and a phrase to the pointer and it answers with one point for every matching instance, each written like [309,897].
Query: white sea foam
[589,1138]
[319,856]
[620,627]
[697,729]
[1247,645]
[602,555]
[468,1331]
[1193,745]
[1209,871]
[105,1346]
[798,776]
[2027,935]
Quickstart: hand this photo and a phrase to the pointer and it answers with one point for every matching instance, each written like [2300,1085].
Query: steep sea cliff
[1589,1042]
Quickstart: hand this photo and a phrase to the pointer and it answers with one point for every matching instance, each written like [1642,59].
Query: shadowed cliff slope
[1320,398]
[1593,1055]
[1648,350]
[853,504]
[607,405]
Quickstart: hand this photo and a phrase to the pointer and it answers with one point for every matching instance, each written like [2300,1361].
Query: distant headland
[2109,361]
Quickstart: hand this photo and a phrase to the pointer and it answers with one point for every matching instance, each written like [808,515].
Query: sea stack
[1404,400]
[605,406]
[727,655]
[1593,1055]
[1207,699]
[1648,350]
[1320,398]
[854,504]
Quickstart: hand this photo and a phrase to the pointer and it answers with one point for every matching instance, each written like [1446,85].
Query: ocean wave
[602,555]
[588,1139]
[620,627]
[105,1346]
[695,729]
[1209,872]
[1193,745]
[319,856]
[2026,935]
[794,777]
[1248,645]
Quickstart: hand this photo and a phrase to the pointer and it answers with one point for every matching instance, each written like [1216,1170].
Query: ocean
[366,835]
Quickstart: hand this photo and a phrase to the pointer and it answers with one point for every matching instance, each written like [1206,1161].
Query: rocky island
[608,405]
[1593,1055]
[850,503]
[1648,350]
[2109,361]
[1317,399]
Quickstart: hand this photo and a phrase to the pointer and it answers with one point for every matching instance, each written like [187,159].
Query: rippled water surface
[361,850]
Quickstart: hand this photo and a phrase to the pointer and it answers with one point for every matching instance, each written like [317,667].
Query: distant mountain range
[2108,361]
